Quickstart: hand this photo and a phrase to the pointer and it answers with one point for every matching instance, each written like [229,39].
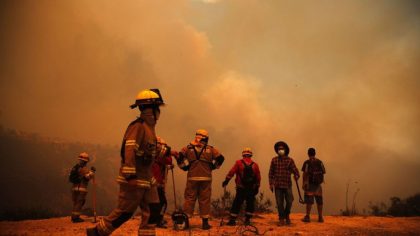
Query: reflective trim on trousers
[79,189]
[103,229]
[199,178]
[153,181]
[140,183]
[205,216]
[147,232]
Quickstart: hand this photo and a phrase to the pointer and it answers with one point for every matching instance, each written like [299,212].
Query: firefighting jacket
[238,170]
[138,152]
[85,175]
[199,162]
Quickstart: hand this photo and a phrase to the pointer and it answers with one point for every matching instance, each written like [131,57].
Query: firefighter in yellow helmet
[199,159]
[79,177]
[138,152]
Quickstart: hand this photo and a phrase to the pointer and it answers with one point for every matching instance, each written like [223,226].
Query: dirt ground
[333,225]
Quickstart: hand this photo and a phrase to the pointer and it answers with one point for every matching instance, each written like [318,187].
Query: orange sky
[342,77]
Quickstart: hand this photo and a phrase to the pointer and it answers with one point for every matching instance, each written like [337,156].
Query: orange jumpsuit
[201,163]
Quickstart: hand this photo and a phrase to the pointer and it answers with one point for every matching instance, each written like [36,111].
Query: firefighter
[79,177]
[281,167]
[313,176]
[138,152]
[248,179]
[160,169]
[199,159]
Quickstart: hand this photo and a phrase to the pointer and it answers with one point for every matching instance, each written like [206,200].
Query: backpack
[316,172]
[74,176]
[248,177]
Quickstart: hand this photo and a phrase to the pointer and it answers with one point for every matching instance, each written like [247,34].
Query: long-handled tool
[223,206]
[179,218]
[94,198]
[300,196]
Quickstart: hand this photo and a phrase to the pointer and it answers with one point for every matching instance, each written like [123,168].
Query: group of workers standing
[146,158]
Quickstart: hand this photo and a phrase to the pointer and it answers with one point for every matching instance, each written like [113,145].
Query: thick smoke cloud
[341,77]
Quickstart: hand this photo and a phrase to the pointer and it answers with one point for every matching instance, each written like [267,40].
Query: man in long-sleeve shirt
[160,167]
[281,168]
[248,179]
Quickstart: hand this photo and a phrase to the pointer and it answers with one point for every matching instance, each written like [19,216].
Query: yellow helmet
[247,152]
[83,156]
[202,132]
[148,97]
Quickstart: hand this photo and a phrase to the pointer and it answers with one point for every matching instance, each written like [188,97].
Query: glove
[93,169]
[225,183]
[212,166]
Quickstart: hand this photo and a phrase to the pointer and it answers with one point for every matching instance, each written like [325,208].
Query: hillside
[334,225]
[34,170]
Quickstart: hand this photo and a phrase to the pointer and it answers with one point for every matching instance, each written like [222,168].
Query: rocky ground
[266,224]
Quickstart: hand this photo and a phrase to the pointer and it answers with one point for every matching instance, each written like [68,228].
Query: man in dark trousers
[282,166]
[313,176]
[162,164]
[248,179]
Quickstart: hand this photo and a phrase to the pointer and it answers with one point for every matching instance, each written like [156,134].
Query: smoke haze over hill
[342,77]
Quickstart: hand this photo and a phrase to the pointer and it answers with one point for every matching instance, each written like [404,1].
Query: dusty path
[334,225]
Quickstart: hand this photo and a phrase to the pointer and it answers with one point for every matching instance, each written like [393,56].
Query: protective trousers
[242,195]
[79,199]
[158,209]
[128,200]
[200,190]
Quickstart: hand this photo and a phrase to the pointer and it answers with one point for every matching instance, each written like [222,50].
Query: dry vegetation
[334,225]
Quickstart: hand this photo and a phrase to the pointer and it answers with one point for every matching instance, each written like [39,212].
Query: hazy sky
[342,77]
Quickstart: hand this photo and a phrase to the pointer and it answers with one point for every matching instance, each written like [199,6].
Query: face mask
[281,152]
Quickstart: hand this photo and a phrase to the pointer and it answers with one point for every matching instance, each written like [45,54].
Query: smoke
[341,77]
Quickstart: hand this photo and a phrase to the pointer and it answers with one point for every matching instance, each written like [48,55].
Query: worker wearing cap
[248,179]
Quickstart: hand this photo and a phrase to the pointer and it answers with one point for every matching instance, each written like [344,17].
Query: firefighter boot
[206,225]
